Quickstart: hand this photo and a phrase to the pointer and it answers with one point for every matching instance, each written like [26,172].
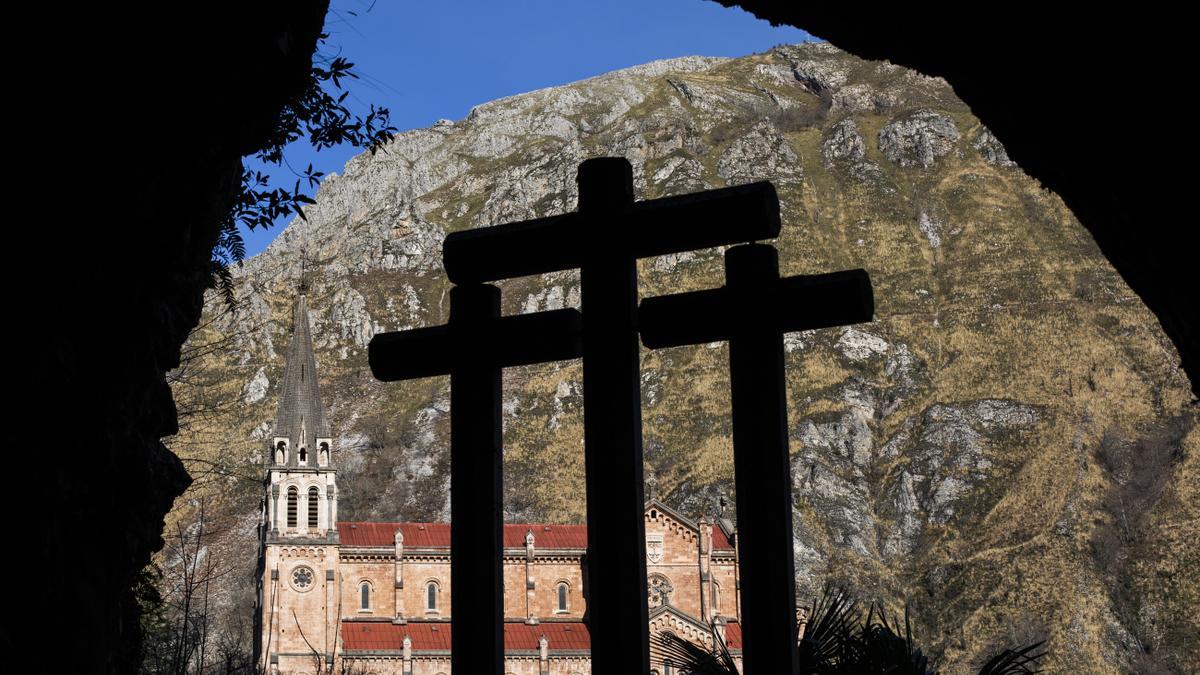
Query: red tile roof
[546,536]
[437,535]
[720,540]
[416,535]
[733,635]
[559,635]
[378,636]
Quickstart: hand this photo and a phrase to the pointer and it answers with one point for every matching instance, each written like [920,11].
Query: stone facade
[375,597]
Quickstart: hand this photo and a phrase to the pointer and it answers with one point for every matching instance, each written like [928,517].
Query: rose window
[302,578]
[659,590]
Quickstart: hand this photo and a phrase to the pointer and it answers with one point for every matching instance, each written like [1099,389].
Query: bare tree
[189,569]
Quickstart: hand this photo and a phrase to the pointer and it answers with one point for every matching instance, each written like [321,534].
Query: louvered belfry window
[313,496]
[292,498]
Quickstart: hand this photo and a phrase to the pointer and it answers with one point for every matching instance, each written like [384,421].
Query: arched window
[431,596]
[716,597]
[562,596]
[292,498]
[323,458]
[279,456]
[314,496]
[364,592]
[303,455]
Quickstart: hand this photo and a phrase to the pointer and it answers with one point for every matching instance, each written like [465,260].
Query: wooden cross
[473,348]
[752,311]
[604,239]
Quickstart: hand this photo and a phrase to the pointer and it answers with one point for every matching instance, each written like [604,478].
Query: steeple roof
[301,417]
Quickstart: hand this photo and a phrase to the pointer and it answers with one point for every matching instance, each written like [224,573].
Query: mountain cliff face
[1010,446]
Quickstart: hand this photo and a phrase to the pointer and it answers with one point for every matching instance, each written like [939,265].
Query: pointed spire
[301,417]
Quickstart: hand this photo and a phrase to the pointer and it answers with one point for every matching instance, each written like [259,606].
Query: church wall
[380,574]
[558,665]
[301,613]
[522,666]
[418,572]
[546,574]
[431,666]
[570,665]
[525,664]
[370,666]
[514,589]
[542,600]
[724,574]
[679,558]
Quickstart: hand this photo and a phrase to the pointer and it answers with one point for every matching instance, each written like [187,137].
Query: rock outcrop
[945,453]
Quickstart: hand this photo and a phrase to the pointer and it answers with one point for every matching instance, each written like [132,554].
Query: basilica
[374,598]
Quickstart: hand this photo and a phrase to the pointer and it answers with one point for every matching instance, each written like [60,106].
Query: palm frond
[829,637]
[885,650]
[1014,661]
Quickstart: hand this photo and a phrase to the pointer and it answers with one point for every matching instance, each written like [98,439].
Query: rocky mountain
[1010,446]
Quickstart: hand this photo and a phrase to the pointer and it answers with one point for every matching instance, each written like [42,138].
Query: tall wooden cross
[473,348]
[752,311]
[604,240]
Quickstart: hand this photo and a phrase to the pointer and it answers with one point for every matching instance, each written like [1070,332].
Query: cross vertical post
[758,398]
[473,348]
[752,311]
[616,564]
[476,476]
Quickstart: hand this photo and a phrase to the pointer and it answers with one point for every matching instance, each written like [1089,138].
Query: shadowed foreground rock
[133,120]
[1047,85]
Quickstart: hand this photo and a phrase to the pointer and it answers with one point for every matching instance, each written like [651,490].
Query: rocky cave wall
[128,123]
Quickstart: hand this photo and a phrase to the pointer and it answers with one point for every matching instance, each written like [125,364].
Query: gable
[671,539]
[666,618]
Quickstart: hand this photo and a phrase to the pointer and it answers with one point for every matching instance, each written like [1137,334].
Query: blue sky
[427,61]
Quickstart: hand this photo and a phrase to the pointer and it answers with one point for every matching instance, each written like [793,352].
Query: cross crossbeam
[517,340]
[752,311]
[646,229]
[698,317]
[473,348]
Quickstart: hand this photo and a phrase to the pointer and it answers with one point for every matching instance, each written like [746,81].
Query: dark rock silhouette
[160,102]
[1060,91]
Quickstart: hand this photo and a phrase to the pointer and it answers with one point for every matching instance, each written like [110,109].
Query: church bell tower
[298,554]
[301,487]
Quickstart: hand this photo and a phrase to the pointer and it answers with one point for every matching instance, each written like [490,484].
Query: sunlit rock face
[946,453]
